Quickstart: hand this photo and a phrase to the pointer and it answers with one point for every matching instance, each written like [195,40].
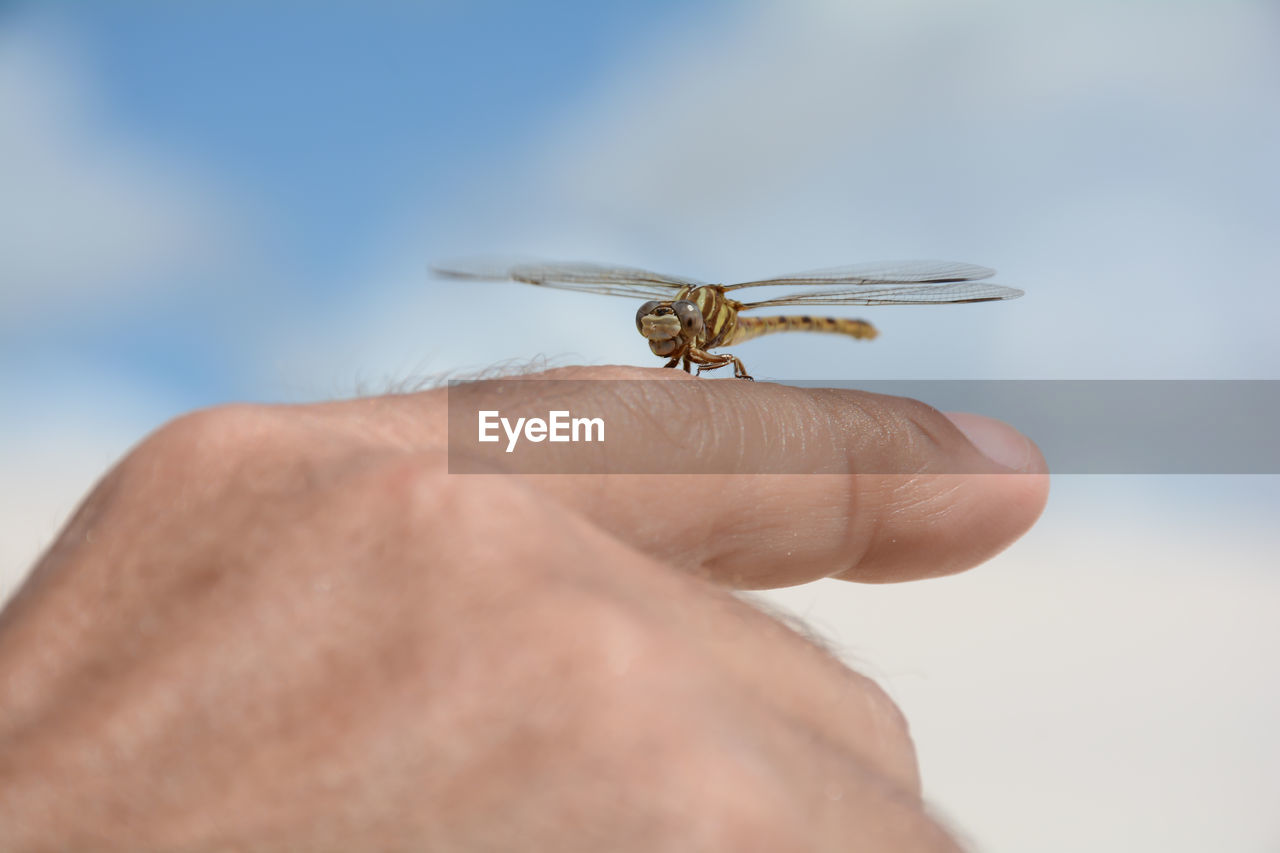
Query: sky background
[207,202]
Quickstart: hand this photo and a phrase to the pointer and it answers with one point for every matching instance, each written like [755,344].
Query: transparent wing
[589,278]
[884,272]
[902,294]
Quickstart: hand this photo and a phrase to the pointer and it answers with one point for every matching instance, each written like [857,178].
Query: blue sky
[202,202]
[327,124]
[339,119]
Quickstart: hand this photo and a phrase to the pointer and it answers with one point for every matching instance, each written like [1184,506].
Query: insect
[684,318]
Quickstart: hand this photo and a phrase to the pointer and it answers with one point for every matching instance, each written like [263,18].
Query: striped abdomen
[754,327]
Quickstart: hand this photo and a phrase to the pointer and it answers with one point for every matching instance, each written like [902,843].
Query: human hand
[289,628]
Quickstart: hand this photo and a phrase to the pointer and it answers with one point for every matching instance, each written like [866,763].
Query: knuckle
[925,423]
[731,799]
[885,731]
[418,488]
[889,435]
[915,412]
[902,416]
[645,714]
[407,497]
[208,435]
[193,455]
[623,652]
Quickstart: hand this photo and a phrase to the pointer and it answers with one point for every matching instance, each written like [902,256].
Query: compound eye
[690,316]
[644,311]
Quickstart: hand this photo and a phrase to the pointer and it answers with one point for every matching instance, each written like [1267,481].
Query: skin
[290,628]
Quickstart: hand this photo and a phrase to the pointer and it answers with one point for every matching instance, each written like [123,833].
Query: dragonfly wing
[885,272]
[585,277]
[902,294]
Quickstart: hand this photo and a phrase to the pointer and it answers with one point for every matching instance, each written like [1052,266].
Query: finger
[900,491]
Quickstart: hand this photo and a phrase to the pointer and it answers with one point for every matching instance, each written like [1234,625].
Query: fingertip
[1000,442]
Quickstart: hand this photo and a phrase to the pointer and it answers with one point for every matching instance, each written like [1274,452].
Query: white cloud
[89,215]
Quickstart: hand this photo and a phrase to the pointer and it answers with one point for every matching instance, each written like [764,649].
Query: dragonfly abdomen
[754,327]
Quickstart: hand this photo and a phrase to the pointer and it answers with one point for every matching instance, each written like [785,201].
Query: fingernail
[998,441]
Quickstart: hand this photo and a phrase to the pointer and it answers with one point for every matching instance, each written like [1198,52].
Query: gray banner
[736,427]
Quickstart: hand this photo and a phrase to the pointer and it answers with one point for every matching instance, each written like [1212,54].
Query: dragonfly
[684,319]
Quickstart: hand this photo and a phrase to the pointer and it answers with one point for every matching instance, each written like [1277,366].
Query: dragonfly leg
[710,361]
[673,362]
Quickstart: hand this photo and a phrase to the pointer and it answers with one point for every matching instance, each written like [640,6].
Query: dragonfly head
[668,325]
